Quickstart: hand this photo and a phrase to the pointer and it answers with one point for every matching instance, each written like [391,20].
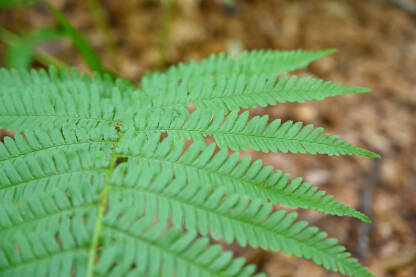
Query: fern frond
[232,93]
[226,216]
[25,173]
[49,211]
[200,165]
[15,81]
[257,62]
[237,132]
[88,175]
[40,141]
[76,199]
[222,83]
[56,101]
[139,248]
[59,252]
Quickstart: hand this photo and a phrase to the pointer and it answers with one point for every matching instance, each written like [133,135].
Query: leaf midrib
[61,116]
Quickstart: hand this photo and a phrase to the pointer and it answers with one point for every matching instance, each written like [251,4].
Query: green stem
[102,205]
[101,20]
[47,59]
[164,33]
[40,56]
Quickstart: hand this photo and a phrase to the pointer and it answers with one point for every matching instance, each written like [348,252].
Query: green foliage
[112,180]
[10,4]
[78,40]
[222,83]
[237,132]
[21,49]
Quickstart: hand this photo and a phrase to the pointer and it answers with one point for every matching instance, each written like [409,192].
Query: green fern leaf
[29,109]
[42,252]
[29,100]
[200,165]
[40,211]
[221,83]
[150,247]
[82,189]
[14,80]
[49,210]
[236,92]
[39,142]
[226,216]
[21,224]
[237,132]
[248,63]
[30,166]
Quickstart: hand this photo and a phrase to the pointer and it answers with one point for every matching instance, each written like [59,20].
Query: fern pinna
[106,179]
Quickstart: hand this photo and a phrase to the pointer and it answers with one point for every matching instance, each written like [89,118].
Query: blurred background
[376,42]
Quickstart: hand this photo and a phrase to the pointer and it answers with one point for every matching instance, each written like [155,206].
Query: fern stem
[101,209]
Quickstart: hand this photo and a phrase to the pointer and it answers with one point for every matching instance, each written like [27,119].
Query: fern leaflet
[202,166]
[230,217]
[237,132]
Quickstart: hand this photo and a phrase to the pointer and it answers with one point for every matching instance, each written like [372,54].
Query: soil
[376,44]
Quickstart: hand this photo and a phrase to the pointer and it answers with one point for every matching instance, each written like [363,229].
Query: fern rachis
[93,188]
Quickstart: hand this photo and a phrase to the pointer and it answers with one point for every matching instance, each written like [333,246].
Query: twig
[366,206]
[404,5]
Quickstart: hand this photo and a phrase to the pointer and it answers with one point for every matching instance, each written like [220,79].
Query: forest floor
[376,44]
